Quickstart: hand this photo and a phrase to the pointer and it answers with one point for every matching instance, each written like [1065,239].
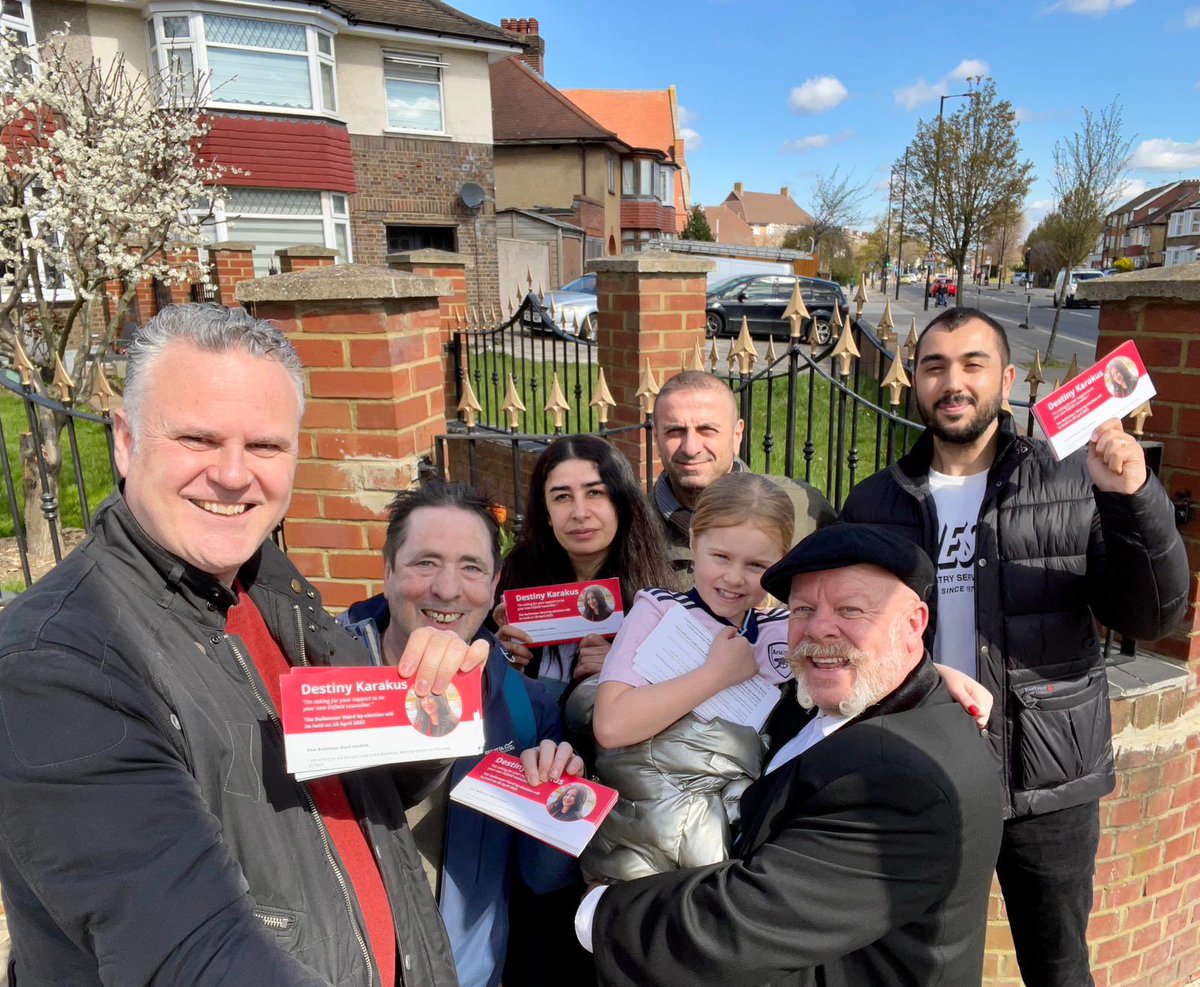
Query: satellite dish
[472,195]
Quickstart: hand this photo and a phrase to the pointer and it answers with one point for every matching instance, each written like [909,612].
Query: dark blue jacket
[482,855]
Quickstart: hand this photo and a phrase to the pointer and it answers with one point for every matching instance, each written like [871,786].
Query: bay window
[246,61]
[273,218]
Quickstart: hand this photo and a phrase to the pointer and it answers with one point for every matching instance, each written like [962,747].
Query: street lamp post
[903,194]
[887,237]
[937,168]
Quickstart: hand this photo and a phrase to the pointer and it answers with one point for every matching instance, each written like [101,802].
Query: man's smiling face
[209,473]
[442,575]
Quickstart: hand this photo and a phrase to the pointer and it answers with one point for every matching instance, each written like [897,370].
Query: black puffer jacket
[1053,556]
[149,831]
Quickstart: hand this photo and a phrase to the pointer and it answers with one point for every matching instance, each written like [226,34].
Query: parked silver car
[573,307]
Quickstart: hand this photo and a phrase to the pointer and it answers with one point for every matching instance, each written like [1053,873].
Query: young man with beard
[1031,553]
[867,847]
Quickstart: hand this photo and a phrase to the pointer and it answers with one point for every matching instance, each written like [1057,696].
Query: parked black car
[762,299]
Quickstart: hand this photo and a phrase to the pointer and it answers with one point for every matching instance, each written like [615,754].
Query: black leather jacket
[1053,556]
[149,832]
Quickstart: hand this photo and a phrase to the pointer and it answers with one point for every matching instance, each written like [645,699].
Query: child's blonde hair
[746,498]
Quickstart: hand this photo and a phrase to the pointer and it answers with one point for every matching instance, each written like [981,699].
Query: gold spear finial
[556,403]
[835,322]
[1139,416]
[648,388]
[772,356]
[103,389]
[529,277]
[713,356]
[1034,376]
[896,380]
[910,344]
[25,366]
[468,405]
[603,400]
[886,325]
[845,350]
[66,386]
[697,359]
[743,350]
[513,406]
[1073,369]
[860,297]
[796,311]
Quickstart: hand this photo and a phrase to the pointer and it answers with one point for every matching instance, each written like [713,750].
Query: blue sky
[776,93]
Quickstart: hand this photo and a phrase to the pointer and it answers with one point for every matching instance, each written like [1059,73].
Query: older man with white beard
[867,848]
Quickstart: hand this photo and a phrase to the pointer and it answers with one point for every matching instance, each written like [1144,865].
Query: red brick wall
[411,181]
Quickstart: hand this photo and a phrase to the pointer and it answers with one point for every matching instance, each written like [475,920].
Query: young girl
[681,778]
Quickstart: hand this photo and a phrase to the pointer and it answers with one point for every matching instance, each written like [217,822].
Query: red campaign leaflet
[1111,388]
[564,814]
[566,612]
[344,719]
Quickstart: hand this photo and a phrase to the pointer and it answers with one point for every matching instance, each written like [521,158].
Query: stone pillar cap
[429,255]
[306,250]
[341,282]
[655,263]
[237,245]
[1180,282]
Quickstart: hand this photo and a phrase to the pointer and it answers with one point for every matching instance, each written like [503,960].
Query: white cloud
[809,143]
[818,94]
[1191,17]
[1094,8]
[1132,187]
[686,116]
[692,141]
[910,97]
[970,67]
[1022,115]
[1164,154]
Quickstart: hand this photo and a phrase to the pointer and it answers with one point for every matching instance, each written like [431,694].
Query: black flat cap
[840,545]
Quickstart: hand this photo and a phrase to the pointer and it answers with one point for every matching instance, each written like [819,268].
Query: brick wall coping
[431,257]
[650,264]
[230,245]
[306,250]
[1180,282]
[341,282]
[1145,673]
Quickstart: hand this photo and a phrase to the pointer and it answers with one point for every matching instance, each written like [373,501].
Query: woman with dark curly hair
[586,518]
[434,716]
[568,803]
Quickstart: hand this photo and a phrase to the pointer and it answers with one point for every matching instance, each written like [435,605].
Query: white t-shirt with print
[958,499]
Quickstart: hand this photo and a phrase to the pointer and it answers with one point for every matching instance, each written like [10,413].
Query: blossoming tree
[101,186]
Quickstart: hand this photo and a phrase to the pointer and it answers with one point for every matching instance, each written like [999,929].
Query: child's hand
[731,659]
[548,761]
[968,693]
[592,651]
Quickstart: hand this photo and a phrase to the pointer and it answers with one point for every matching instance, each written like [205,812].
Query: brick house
[553,158]
[770,215]
[1181,244]
[357,126]
[1137,228]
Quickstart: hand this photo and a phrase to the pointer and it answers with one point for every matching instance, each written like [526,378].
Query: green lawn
[94,461]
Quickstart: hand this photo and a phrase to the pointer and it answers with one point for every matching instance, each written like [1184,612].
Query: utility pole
[937,168]
[903,195]
[887,236]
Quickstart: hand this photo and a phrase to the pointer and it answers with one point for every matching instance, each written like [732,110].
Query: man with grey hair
[867,847]
[149,830]
[697,430]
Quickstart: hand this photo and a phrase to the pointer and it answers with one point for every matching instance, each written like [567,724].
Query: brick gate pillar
[451,267]
[650,310]
[304,256]
[232,263]
[370,341]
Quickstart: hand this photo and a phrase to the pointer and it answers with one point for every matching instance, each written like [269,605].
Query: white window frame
[24,24]
[197,44]
[423,60]
[335,212]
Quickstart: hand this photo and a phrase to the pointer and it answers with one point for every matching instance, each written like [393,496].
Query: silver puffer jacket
[679,799]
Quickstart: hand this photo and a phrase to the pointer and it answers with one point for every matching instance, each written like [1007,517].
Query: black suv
[762,299]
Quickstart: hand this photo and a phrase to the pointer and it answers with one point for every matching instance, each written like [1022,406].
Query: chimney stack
[737,188]
[784,192]
[534,54]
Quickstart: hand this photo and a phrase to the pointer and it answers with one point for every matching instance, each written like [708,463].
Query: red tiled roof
[765,208]
[728,227]
[640,117]
[525,107]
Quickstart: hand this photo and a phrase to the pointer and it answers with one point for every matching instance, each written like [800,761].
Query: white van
[1083,274]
